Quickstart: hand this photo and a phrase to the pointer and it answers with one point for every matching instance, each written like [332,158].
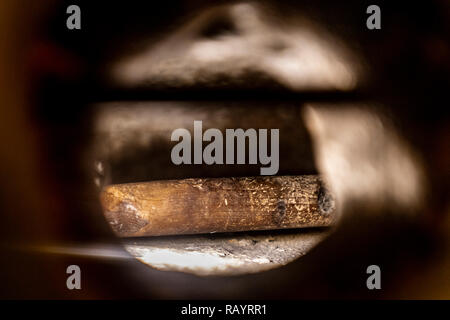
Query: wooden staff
[217,205]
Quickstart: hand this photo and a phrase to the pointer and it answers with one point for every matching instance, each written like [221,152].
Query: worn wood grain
[205,205]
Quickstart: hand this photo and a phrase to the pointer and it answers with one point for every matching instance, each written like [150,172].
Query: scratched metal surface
[196,206]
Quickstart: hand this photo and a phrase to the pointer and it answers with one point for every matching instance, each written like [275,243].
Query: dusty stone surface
[224,254]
